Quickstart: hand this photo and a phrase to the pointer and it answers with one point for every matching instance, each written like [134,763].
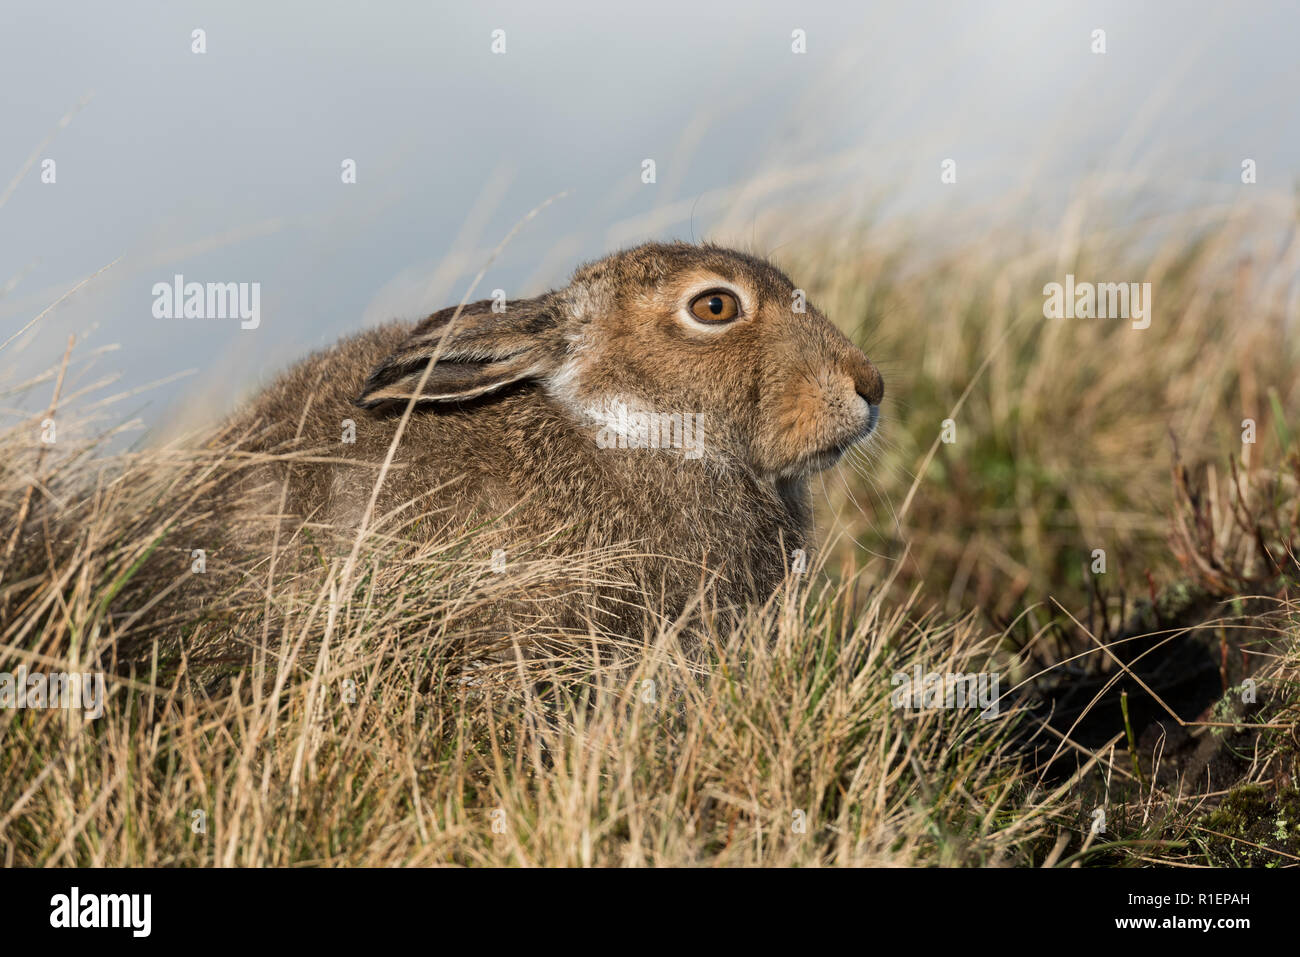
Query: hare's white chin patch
[622,423]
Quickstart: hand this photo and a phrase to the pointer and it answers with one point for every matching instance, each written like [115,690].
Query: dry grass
[353,729]
[655,763]
[1065,428]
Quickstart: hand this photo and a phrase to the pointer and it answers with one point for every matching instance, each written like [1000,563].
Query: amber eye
[715,306]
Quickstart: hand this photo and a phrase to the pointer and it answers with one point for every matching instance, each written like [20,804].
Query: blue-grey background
[226,166]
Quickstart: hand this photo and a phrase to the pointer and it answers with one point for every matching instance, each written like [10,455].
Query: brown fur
[500,425]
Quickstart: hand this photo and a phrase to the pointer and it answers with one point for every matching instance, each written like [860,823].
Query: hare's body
[522,422]
[516,458]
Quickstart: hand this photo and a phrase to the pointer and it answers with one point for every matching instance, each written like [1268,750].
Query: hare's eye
[715,307]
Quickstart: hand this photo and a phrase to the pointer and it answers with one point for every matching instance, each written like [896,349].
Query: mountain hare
[673,399]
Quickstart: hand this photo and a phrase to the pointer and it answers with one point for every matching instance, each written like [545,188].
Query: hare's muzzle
[870,389]
[866,379]
[851,416]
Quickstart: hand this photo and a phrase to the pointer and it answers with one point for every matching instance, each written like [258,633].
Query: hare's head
[669,329]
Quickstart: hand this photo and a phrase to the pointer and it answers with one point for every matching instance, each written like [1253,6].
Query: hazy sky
[225,166]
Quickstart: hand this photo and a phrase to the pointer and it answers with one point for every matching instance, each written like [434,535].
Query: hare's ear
[477,353]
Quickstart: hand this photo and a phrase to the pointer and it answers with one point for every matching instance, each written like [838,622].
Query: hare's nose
[866,378]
